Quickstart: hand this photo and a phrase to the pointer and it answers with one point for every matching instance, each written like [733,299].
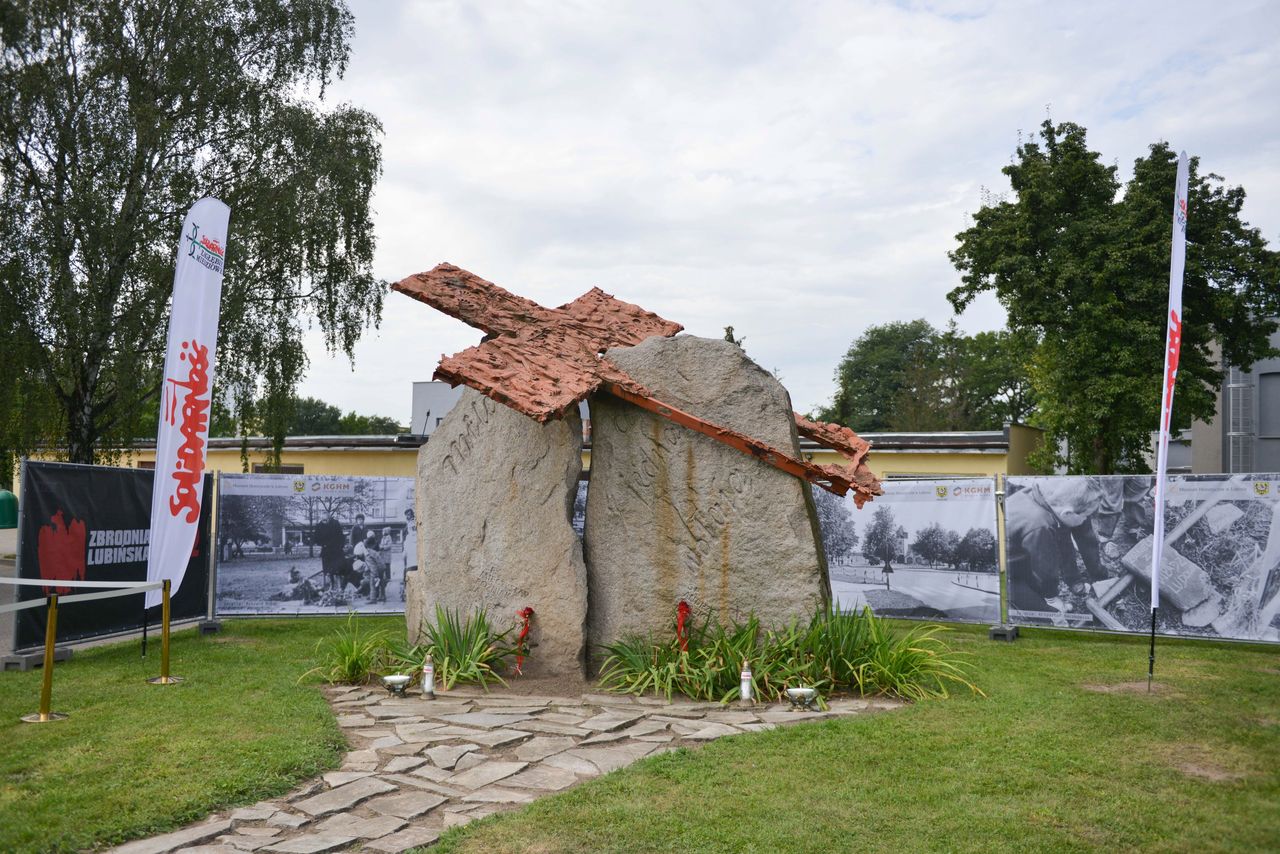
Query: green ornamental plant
[854,651]
[466,649]
[350,655]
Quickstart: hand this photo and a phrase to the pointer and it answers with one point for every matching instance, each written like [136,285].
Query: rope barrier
[131,588]
[57,582]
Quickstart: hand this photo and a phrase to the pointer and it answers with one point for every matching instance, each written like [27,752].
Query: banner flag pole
[183,434]
[1172,349]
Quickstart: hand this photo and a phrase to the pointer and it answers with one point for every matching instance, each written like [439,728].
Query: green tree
[912,377]
[873,371]
[1082,271]
[368,425]
[314,417]
[117,115]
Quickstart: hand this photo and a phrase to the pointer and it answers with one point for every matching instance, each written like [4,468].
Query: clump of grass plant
[833,651]
[466,648]
[352,655]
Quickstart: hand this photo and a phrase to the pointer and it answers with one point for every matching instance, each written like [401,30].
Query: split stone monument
[675,515]
[698,492]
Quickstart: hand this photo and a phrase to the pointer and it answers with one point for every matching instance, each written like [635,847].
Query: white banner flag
[1172,348]
[178,493]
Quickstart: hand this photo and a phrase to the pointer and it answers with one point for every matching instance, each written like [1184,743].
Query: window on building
[1269,404]
[263,468]
[146,464]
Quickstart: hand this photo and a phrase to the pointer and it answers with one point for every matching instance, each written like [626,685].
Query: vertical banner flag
[1172,347]
[178,494]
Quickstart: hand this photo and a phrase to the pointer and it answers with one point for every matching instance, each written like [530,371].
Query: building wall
[372,462]
[1023,441]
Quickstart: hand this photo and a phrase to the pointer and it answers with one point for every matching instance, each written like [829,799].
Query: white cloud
[796,170]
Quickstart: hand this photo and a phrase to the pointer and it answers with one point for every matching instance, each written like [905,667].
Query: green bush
[833,651]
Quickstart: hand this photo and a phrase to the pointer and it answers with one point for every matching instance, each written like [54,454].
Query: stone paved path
[418,767]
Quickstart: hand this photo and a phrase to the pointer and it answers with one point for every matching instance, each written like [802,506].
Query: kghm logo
[1181,214]
[1261,487]
[208,252]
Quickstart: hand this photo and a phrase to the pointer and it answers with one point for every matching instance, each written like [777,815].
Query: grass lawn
[1040,764]
[134,758]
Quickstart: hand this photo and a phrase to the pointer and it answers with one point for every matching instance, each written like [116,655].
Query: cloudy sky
[797,170]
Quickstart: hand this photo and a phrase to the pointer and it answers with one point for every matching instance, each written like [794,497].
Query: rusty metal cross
[541,362]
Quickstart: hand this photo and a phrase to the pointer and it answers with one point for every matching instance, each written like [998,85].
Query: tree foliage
[313,417]
[1082,270]
[117,115]
[909,376]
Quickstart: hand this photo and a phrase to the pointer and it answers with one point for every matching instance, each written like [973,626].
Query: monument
[699,492]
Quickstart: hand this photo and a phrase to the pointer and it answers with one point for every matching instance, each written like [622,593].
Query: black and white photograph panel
[1079,554]
[314,544]
[924,549]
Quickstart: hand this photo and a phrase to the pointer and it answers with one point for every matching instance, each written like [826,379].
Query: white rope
[132,589]
[34,603]
[58,582]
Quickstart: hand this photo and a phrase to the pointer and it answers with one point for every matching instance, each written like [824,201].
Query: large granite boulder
[495,501]
[673,514]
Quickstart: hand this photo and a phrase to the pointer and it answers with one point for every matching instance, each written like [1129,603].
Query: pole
[1151,659]
[46,688]
[164,678]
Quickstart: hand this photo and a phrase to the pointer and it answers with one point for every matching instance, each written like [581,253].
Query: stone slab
[499,795]
[485,773]
[311,843]
[485,719]
[348,824]
[344,797]
[542,746]
[675,515]
[400,764]
[406,804]
[410,837]
[542,777]
[188,836]
[446,755]
[502,485]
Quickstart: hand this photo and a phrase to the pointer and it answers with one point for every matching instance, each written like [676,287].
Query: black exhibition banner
[92,523]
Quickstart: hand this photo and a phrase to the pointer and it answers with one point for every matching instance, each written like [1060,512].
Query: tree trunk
[1101,459]
[82,428]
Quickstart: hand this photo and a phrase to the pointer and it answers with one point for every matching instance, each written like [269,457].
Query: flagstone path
[418,767]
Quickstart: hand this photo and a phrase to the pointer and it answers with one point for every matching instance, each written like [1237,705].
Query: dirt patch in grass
[1130,688]
[1201,762]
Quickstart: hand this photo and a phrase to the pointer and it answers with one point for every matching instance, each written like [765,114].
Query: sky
[796,170]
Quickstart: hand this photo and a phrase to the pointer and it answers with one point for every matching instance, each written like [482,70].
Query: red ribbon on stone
[524,614]
[682,631]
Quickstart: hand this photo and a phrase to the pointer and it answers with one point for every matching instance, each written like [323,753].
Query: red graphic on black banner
[91,523]
[60,551]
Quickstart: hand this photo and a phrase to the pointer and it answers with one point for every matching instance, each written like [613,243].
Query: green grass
[1040,764]
[135,759]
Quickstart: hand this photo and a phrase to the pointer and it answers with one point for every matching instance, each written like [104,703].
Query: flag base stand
[164,680]
[209,627]
[1003,632]
[47,717]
